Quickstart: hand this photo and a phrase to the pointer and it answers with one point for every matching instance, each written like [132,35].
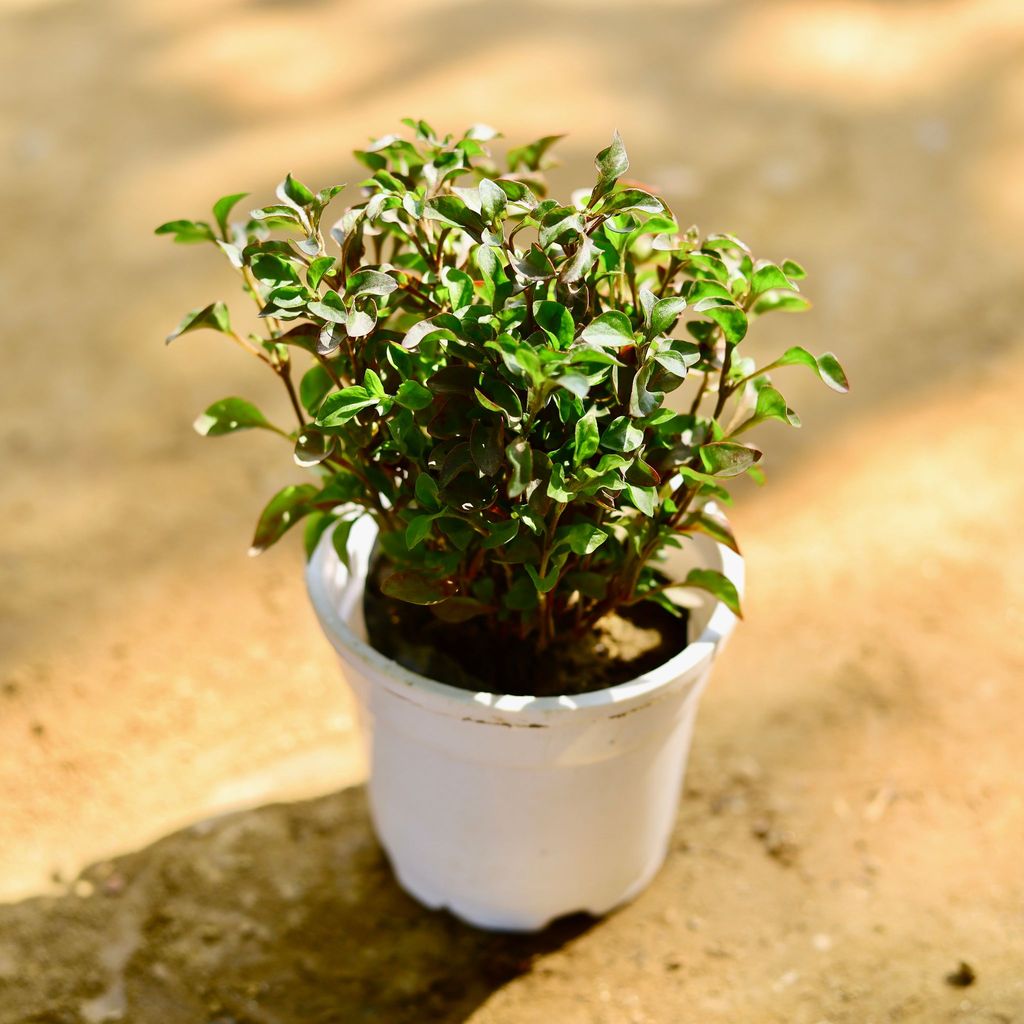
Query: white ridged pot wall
[511,811]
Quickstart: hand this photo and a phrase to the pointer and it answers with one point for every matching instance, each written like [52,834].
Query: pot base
[499,918]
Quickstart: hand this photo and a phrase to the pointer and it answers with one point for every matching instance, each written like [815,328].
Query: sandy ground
[853,825]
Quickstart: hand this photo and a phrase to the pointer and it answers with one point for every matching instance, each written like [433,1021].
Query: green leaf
[677,362]
[314,387]
[329,339]
[418,529]
[340,406]
[535,265]
[730,318]
[555,321]
[587,437]
[215,316]
[826,367]
[267,266]
[531,156]
[342,488]
[626,199]
[712,526]
[460,609]
[558,489]
[520,458]
[492,200]
[724,242]
[451,210]
[771,405]
[648,300]
[458,460]
[642,474]
[786,302]
[545,583]
[339,540]
[575,383]
[665,313]
[417,588]
[793,270]
[317,269]
[413,395]
[460,288]
[521,596]
[360,322]
[643,498]
[717,585]
[585,538]
[282,512]
[578,265]
[609,330]
[325,195]
[501,397]
[229,415]
[485,446]
[516,191]
[312,446]
[276,215]
[726,458]
[644,400]
[296,192]
[659,597]
[187,232]
[223,207]
[768,277]
[373,384]
[426,492]
[316,524]
[622,435]
[370,282]
[611,164]
[501,534]
[560,224]
[331,308]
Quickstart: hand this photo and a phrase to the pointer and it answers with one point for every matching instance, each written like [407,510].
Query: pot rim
[689,663]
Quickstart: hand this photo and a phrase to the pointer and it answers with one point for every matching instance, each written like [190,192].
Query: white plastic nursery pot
[511,811]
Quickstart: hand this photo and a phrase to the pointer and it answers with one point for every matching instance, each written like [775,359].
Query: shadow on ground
[285,913]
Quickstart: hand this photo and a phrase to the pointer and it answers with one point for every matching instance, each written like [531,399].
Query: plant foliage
[534,399]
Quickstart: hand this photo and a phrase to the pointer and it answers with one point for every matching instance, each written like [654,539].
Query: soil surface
[473,656]
[853,825]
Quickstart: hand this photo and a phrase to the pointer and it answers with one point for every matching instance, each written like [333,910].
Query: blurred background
[853,827]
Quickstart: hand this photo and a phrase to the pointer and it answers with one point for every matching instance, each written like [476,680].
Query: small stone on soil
[962,977]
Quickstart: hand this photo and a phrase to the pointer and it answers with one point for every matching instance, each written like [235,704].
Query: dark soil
[471,655]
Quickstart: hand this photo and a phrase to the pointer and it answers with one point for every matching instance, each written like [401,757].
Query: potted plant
[521,416]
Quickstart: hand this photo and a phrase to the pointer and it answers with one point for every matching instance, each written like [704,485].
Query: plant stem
[284,371]
[249,347]
[545,606]
[338,380]
[724,391]
[702,388]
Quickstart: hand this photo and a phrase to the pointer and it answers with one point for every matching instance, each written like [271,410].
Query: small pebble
[962,977]
[786,980]
[113,885]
